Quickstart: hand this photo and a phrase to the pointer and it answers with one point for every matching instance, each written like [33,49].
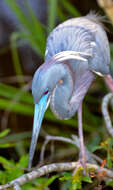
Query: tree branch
[105,113]
[57,167]
[90,157]
[16,186]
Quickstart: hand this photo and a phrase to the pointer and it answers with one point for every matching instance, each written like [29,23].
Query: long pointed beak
[40,109]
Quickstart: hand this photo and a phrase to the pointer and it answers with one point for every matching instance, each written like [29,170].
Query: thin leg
[80,131]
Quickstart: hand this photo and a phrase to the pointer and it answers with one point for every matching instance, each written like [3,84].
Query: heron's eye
[46,92]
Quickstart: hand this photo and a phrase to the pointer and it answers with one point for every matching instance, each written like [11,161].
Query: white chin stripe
[46,52]
[48,102]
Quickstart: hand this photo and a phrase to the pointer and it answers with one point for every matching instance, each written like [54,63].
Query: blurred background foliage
[24,27]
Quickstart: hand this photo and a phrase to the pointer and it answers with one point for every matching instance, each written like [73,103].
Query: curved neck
[62,92]
[68,94]
[81,87]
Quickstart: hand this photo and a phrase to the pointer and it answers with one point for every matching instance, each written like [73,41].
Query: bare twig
[90,157]
[53,138]
[105,113]
[75,141]
[43,150]
[52,151]
[56,167]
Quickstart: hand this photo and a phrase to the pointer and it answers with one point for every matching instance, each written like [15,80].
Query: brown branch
[105,113]
[56,167]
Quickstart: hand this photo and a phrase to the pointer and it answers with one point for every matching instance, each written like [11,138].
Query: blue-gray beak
[40,109]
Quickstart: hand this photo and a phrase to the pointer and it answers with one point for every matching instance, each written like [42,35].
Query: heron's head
[45,81]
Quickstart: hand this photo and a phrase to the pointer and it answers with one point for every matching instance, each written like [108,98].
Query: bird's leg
[82,147]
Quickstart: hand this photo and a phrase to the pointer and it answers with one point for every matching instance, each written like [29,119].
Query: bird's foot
[82,160]
[78,166]
[81,164]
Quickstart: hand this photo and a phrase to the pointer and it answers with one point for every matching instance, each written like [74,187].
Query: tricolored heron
[75,51]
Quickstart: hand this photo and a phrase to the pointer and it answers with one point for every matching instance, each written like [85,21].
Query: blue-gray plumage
[75,51]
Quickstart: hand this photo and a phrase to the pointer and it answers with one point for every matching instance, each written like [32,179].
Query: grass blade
[16,107]
[52,14]
[70,8]
[11,92]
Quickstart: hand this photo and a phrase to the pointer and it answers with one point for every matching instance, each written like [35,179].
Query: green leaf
[50,180]
[11,171]
[19,13]
[23,162]
[110,183]
[7,164]
[29,186]
[16,137]
[31,29]
[4,133]
[109,162]
[61,15]
[13,174]
[35,45]
[38,28]
[16,107]
[15,57]
[70,8]
[77,179]
[10,92]
[97,147]
[75,186]
[111,142]
[66,176]
[6,145]
[3,177]
[87,179]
